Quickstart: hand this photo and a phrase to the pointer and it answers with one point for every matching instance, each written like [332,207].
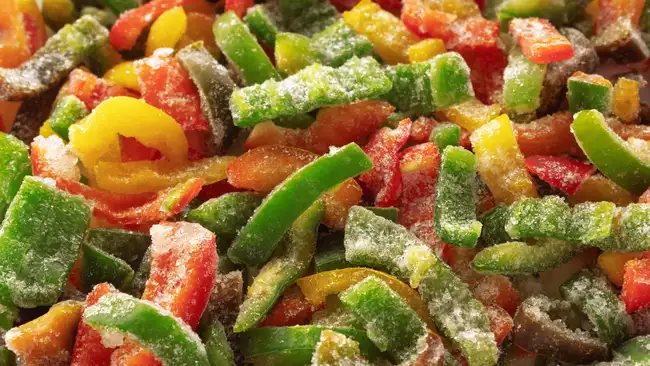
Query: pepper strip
[14,166]
[97,266]
[589,92]
[513,258]
[522,83]
[271,220]
[68,111]
[540,41]
[216,345]
[335,349]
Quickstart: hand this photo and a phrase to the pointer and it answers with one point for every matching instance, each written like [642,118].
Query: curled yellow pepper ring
[96,137]
[124,75]
[167,30]
[318,286]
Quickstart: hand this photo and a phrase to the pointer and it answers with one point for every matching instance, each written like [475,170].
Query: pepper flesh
[589,92]
[540,41]
[167,30]
[14,166]
[635,285]
[625,100]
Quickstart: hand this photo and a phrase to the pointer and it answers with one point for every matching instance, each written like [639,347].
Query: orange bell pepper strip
[48,339]
[318,286]
[89,350]
[334,126]
[96,137]
[35,28]
[14,44]
[263,168]
[199,28]
[540,41]
[613,264]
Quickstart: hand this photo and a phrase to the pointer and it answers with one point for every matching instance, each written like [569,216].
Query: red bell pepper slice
[217,189]
[130,24]
[636,285]
[560,172]
[500,322]
[419,169]
[421,129]
[498,290]
[473,34]
[92,90]
[132,150]
[609,11]
[540,41]
[384,180]
[89,350]
[238,6]
[291,309]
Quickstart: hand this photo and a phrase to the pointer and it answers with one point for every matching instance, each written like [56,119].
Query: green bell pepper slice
[97,267]
[589,92]
[390,213]
[513,258]
[307,17]
[390,322]
[15,165]
[339,43]
[330,259]
[283,270]
[494,223]
[601,305]
[262,20]
[170,340]
[7,358]
[445,134]
[455,205]
[242,50]
[129,246]
[510,9]
[217,346]
[522,83]
[39,241]
[632,352]
[294,346]
[141,275]
[105,17]
[8,311]
[629,232]
[52,63]
[257,240]
[120,6]
[68,111]
[450,80]
[311,88]
[609,153]
[294,52]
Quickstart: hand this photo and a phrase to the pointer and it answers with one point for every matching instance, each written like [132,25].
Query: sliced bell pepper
[291,309]
[167,30]
[8,311]
[282,270]
[540,41]
[53,247]
[130,24]
[426,49]
[500,322]
[98,266]
[257,240]
[89,350]
[628,232]
[35,28]
[445,134]
[15,166]
[330,259]
[339,42]
[559,172]
[625,100]
[48,339]
[123,74]
[498,291]
[385,31]
[129,246]
[419,166]
[68,111]
[470,115]
[510,9]
[633,350]
[53,62]
[335,348]
[522,83]
[601,305]
[216,345]
[549,135]
[96,138]
[514,257]
[613,264]
[239,7]
[494,222]
[609,153]
[141,275]
[334,126]
[294,52]
[15,43]
[635,292]
[199,29]
[121,315]
[589,92]
[455,212]
[500,162]
[92,90]
[262,20]
[609,11]
[357,79]
[384,180]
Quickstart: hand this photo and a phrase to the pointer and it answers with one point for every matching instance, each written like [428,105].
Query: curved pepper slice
[217,346]
[15,44]
[173,342]
[419,167]
[96,138]
[271,220]
[318,286]
[589,92]
[97,266]
[559,172]
[540,41]
[48,339]
[520,258]
[14,166]
[549,135]
[167,30]
[281,271]
[635,293]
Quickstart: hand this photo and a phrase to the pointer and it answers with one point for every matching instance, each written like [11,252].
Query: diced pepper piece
[559,172]
[470,115]
[609,153]
[14,166]
[339,42]
[282,270]
[233,38]
[540,41]
[294,52]
[385,31]
[313,87]
[15,43]
[97,266]
[419,170]
[425,50]
[257,240]
[166,336]
[295,345]
[549,135]
[635,292]
[522,83]
[628,232]
[330,259]
[513,258]
[167,30]
[589,92]
[262,21]
[217,346]
[53,62]
[609,11]
[291,309]
[335,348]
[123,74]
[500,162]
[541,327]
[633,350]
[141,275]
[96,138]
[391,324]
[498,291]
[445,134]
[199,29]
[35,28]
[500,322]
[58,13]
[129,246]
[318,286]
[625,102]
[51,244]
[239,7]
[494,222]
[92,90]
[601,305]
[307,17]
[613,264]
[455,213]
[510,9]
[48,339]
[334,126]
[68,111]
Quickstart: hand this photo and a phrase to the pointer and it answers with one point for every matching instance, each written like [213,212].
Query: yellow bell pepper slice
[167,30]
[46,130]
[48,339]
[320,285]
[123,74]
[500,163]
[151,176]
[613,264]
[385,31]
[426,49]
[470,115]
[95,138]
[626,104]
[599,188]
[460,8]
